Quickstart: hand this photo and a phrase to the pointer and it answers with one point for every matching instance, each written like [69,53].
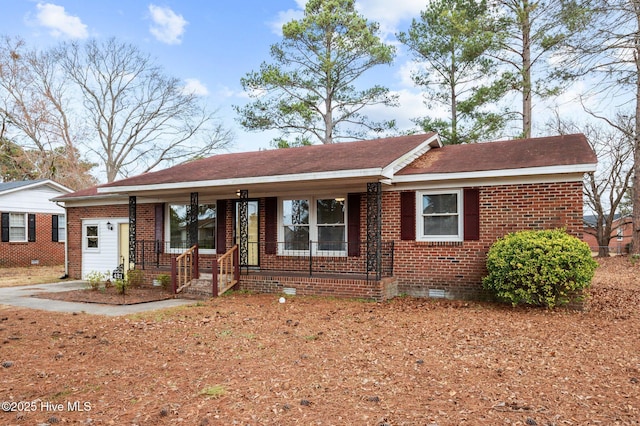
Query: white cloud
[284,17]
[195,87]
[389,17]
[59,22]
[374,10]
[168,27]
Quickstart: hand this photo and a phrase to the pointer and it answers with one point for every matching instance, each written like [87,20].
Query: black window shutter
[408,215]
[353,233]
[32,227]
[54,228]
[221,227]
[5,227]
[471,214]
[271,225]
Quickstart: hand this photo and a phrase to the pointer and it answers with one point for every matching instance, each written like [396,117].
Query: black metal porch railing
[310,258]
[321,258]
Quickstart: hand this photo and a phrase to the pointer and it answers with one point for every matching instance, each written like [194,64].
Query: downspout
[66,248]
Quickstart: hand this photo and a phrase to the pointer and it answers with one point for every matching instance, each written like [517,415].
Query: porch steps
[199,289]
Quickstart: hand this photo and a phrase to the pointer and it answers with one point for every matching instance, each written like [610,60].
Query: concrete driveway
[22,296]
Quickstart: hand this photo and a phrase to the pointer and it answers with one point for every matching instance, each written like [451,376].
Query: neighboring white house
[33,228]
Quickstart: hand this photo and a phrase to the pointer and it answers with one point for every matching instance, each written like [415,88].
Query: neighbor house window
[17,227]
[178,233]
[314,223]
[439,216]
[62,228]
[92,237]
[58,228]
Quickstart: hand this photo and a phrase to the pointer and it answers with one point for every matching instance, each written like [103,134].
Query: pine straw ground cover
[249,360]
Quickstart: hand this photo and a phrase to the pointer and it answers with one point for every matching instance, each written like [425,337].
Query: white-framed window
[177,227]
[313,223]
[62,228]
[91,234]
[619,233]
[439,215]
[18,227]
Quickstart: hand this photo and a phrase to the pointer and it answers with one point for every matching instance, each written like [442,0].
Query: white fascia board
[529,171]
[375,173]
[408,158]
[48,182]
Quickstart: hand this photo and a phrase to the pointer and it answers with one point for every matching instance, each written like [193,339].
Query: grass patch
[213,391]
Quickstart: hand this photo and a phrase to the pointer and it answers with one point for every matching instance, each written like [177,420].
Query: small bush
[165,280]
[121,285]
[544,268]
[135,278]
[95,278]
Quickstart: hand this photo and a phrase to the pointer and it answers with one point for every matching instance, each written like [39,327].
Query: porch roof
[327,165]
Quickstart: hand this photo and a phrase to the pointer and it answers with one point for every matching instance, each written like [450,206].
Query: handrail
[226,271]
[182,269]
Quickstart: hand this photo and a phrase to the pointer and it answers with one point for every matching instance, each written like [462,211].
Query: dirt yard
[250,360]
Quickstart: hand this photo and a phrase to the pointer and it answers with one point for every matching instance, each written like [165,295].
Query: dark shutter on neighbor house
[271,225]
[54,228]
[471,214]
[408,215]
[221,227]
[32,227]
[5,227]
[353,232]
[159,222]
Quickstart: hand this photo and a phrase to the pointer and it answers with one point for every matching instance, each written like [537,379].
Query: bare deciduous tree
[35,109]
[605,189]
[139,116]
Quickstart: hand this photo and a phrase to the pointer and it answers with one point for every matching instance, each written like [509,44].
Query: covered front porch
[271,247]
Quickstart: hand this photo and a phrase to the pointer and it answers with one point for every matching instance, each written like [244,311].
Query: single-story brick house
[359,219]
[621,234]
[33,226]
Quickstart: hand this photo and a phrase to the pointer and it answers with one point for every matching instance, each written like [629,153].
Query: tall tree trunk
[635,246]
[526,70]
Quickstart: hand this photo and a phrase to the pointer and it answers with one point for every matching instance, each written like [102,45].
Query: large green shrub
[545,268]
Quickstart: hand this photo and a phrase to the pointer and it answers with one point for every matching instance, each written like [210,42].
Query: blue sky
[211,44]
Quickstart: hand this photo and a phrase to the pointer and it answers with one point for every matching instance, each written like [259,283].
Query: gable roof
[546,152]
[7,187]
[403,159]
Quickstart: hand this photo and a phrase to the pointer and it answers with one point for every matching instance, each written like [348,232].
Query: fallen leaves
[325,361]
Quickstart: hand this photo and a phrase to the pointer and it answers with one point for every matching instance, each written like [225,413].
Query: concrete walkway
[21,296]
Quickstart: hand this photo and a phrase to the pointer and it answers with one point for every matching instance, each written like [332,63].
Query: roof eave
[529,171]
[372,173]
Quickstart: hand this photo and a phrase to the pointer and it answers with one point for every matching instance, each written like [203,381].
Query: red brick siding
[458,268]
[43,251]
[75,215]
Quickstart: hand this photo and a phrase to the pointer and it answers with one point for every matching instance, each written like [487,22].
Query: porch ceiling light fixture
[109,226]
